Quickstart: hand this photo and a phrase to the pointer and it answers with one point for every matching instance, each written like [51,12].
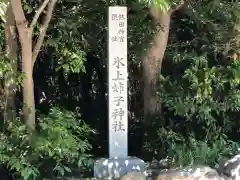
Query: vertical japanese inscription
[117,78]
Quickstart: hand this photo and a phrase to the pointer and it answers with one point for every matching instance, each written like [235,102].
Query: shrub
[183,151]
[201,104]
[205,97]
[195,152]
[60,141]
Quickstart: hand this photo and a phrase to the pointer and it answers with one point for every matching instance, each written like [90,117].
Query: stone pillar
[118,162]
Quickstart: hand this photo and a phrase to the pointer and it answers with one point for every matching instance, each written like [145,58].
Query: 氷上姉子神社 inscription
[117,66]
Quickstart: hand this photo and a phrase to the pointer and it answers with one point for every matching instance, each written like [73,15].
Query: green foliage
[185,151]
[203,94]
[5,67]
[74,60]
[203,152]
[199,87]
[209,27]
[8,78]
[164,5]
[66,39]
[3,7]
[61,141]
[8,75]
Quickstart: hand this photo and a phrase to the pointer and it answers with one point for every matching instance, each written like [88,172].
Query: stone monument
[118,162]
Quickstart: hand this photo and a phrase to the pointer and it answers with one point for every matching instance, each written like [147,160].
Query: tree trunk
[25,37]
[28,84]
[29,54]
[11,53]
[152,63]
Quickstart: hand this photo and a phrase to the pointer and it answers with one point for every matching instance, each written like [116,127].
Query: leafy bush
[204,96]
[203,152]
[183,151]
[201,106]
[59,142]
[194,151]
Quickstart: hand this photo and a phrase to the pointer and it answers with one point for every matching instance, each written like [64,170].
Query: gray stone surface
[195,171]
[134,176]
[188,178]
[116,168]
[230,168]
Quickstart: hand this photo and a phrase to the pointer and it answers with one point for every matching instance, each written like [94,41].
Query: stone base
[116,168]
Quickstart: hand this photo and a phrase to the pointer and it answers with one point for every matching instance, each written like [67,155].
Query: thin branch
[172,10]
[38,13]
[43,30]
[226,50]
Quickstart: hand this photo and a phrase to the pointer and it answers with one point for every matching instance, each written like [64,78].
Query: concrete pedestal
[116,168]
